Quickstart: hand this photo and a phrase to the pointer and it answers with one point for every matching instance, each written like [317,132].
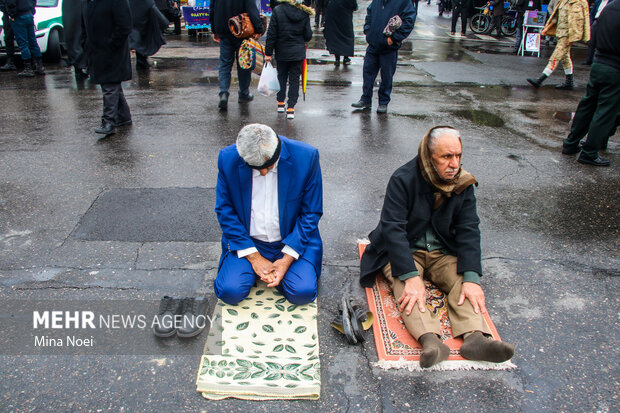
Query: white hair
[256,143]
[436,133]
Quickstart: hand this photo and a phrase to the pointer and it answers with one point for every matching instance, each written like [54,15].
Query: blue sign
[197,17]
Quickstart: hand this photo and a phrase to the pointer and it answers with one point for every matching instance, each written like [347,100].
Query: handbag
[251,55]
[268,83]
[241,26]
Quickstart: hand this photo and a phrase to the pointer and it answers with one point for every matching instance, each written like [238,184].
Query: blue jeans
[23,28]
[373,62]
[229,46]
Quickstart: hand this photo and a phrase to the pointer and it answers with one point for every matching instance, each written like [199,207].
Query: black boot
[27,72]
[569,83]
[142,62]
[38,66]
[537,82]
[223,104]
[9,65]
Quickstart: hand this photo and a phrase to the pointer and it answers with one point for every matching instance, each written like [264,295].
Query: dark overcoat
[146,37]
[407,212]
[338,33]
[107,24]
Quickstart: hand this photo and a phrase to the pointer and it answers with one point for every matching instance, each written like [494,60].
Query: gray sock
[476,346]
[433,350]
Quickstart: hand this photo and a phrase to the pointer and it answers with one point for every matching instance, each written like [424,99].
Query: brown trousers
[439,269]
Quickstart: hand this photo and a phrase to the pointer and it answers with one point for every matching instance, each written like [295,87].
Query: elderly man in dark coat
[107,24]
[429,230]
[338,32]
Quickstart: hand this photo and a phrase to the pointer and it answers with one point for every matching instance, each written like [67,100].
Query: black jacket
[20,7]
[378,13]
[339,35]
[146,37]
[407,212]
[222,10]
[607,35]
[289,30]
[107,24]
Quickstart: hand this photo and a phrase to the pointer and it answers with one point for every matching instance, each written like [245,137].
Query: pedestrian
[146,36]
[320,8]
[170,9]
[339,36]
[265,237]
[429,230]
[221,11]
[444,6]
[22,13]
[595,12]
[498,14]
[460,8]
[568,23]
[387,24]
[9,38]
[74,41]
[289,30]
[598,112]
[107,24]
[521,6]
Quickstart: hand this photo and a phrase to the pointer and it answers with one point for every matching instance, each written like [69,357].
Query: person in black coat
[221,11]
[460,8]
[146,37]
[72,33]
[429,229]
[338,32]
[9,38]
[107,25]
[289,30]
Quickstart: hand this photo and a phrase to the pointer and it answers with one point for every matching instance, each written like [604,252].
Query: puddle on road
[415,116]
[480,117]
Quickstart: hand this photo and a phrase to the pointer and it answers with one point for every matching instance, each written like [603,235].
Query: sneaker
[290,113]
[163,323]
[194,320]
[281,108]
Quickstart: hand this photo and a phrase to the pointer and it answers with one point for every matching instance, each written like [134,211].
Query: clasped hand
[270,272]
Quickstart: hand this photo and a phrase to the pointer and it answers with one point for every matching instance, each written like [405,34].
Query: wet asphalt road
[129,218]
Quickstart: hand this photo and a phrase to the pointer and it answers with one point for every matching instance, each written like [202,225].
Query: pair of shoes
[352,320]
[361,105]
[124,123]
[346,61]
[281,107]
[106,128]
[223,103]
[290,113]
[382,109]
[246,99]
[598,161]
[184,317]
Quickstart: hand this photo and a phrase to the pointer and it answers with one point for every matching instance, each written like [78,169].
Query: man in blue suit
[269,202]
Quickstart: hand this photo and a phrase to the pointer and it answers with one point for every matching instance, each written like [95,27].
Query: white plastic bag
[268,83]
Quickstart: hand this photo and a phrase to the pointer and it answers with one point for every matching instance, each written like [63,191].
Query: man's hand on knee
[473,292]
[280,268]
[262,267]
[414,292]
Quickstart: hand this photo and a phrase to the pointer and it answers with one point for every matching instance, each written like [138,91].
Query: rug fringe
[444,365]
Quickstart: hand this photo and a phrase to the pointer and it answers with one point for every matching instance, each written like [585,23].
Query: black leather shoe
[124,123]
[106,129]
[246,99]
[598,161]
[194,317]
[223,104]
[361,105]
[382,109]
[570,150]
[164,321]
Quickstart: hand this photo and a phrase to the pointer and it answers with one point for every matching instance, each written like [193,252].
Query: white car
[48,28]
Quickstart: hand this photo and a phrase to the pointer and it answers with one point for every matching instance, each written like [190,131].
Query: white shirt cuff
[288,250]
[245,252]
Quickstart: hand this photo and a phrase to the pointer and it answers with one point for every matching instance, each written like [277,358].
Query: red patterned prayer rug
[396,348]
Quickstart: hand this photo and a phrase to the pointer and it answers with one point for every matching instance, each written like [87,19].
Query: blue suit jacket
[300,200]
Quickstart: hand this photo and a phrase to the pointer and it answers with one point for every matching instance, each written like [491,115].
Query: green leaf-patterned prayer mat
[264,348]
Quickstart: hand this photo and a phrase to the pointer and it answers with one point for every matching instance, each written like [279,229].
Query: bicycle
[481,21]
